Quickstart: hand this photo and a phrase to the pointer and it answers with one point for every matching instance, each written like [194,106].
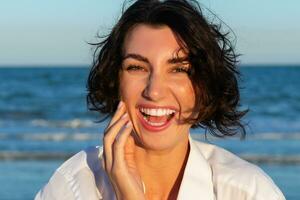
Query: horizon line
[89,65]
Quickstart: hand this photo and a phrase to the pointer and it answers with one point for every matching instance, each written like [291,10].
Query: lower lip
[153,128]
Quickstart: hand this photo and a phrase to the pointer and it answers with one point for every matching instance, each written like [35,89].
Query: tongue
[158,118]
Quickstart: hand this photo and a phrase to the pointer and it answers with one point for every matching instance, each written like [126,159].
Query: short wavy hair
[214,72]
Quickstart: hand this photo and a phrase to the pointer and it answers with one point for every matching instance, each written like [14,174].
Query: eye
[135,68]
[181,69]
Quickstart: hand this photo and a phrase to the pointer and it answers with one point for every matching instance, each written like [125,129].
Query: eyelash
[134,68]
[182,69]
[179,69]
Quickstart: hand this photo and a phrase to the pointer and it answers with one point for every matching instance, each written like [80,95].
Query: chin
[159,141]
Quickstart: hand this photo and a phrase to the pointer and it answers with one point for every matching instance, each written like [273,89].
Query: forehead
[143,38]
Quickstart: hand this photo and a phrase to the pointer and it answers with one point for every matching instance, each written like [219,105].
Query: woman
[163,70]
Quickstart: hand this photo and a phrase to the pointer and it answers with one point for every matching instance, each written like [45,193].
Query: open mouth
[156,118]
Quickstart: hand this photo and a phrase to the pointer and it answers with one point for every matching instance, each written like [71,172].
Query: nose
[155,88]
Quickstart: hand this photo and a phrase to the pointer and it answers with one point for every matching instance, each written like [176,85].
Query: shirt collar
[197,179]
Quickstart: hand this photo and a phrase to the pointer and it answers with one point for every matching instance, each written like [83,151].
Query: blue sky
[56,32]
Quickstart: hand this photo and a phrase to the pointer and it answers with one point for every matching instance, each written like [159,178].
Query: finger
[129,150]
[118,114]
[109,138]
[119,147]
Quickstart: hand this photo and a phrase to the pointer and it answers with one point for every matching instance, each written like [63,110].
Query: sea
[44,120]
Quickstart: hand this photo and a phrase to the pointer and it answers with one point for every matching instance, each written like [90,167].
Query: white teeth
[157,112]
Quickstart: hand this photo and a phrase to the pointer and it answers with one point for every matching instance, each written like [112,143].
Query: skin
[151,75]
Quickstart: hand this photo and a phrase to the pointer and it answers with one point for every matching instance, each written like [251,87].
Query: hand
[119,157]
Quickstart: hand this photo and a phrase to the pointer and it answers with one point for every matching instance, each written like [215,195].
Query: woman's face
[155,86]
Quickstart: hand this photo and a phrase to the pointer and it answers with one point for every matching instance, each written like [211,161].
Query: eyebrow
[178,60]
[144,59]
[136,57]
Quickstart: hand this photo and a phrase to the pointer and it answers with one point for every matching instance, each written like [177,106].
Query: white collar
[196,183]
[197,180]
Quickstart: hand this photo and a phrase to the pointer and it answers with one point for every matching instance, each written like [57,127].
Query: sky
[57,32]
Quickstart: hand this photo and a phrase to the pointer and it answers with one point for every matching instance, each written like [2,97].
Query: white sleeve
[57,188]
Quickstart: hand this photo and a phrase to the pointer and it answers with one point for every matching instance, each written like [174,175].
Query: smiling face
[155,86]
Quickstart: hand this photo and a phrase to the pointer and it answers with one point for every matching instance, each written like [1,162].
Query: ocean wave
[254,158]
[275,136]
[83,136]
[271,159]
[17,155]
[256,136]
[20,114]
[73,123]
[61,137]
[52,136]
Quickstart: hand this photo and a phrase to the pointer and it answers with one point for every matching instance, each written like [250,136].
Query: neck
[162,171]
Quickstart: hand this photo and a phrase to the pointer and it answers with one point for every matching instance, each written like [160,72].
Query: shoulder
[232,174]
[75,177]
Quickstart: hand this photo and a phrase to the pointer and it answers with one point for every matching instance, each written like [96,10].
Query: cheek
[186,95]
[124,92]
[129,90]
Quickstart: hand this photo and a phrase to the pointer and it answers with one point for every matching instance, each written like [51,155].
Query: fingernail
[120,104]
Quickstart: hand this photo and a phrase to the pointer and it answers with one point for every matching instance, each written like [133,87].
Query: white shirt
[211,173]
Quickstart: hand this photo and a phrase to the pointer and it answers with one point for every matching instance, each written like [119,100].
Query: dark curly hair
[214,72]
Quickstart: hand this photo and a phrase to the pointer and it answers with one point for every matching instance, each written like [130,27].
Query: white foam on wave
[73,123]
[62,136]
[271,159]
[275,136]
[58,136]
